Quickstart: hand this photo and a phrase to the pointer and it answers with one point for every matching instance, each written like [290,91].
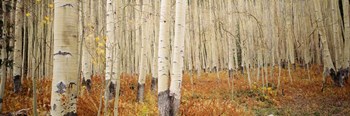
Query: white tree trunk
[117,61]
[346,11]
[178,56]
[110,52]
[164,59]
[290,35]
[17,67]
[65,64]
[3,51]
[327,61]
[335,33]
[87,42]
[143,66]
[155,19]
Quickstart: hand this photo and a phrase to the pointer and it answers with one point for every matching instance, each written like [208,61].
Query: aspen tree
[276,39]
[110,53]
[242,34]
[328,65]
[260,53]
[164,59]
[231,38]
[273,35]
[232,33]
[100,31]
[117,61]
[154,67]
[346,19]
[339,39]
[4,43]
[236,33]
[25,41]
[144,54]
[143,66]
[138,37]
[49,39]
[335,34]
[30,27]
[191,33]
[65,63]
[11,10]
[306,49]
[212,38]
[289,35]
[34,41]
[197,46]
[248,44]
[17,68]
[86,44]
[177,57]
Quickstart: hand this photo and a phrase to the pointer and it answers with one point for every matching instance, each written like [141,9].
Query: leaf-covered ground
[208,95]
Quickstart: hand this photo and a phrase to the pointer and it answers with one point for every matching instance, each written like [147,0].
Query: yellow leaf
[100,44]
[97,39]
[38,0]
[254,86]
[269,89]
[46,18]
[28,14]
[50,5]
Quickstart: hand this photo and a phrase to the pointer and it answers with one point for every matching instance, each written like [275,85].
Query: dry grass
[207,96]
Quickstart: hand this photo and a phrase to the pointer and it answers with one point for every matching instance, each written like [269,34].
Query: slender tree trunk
[346,12]
[335,34]
[164,59]
[138,36]
[17,72]
[154,67]
[65,68]
[86,45]
[327,61]
[10,33]
[110,53]
[290,35]
[4,42]
[117,61]
[177,57]
[143,66]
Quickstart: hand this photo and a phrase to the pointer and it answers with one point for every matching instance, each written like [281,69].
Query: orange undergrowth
[209,95]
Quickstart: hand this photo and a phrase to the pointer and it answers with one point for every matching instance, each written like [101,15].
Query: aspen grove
[174,57]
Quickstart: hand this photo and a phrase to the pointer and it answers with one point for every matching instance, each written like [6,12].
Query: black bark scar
[70,5]
[62,53]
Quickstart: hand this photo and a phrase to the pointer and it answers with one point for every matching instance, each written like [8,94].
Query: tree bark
[86,45]
[178,57]
[327,61]
[4,43]
[110,53]
[65,64]
[346,19]
[164,59]
[17,68]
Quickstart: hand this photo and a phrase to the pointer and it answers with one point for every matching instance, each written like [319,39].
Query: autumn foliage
[208,95]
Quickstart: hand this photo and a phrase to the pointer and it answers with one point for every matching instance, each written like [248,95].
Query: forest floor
[208,95]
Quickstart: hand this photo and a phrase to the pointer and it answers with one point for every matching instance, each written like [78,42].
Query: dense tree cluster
[68,39]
